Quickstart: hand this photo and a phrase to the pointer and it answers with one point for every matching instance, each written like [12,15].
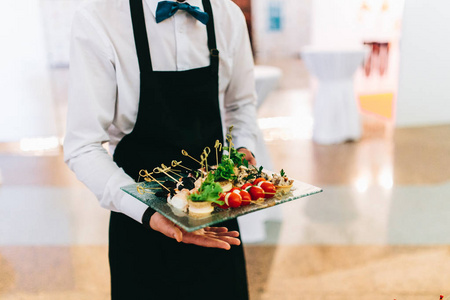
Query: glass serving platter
[191,223]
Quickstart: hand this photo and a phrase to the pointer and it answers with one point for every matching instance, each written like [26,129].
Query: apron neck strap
[213,52]
[141,37]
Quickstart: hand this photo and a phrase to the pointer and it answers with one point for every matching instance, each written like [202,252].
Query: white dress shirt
[104,84]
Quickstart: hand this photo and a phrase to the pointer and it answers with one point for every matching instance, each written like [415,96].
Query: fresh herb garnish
[249,177]
[282,173]
[259,174]
[260,170]
[235,156]
[225,170]
[245,163]
[209,191]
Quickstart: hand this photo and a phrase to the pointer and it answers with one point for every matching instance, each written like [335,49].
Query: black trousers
[145,264]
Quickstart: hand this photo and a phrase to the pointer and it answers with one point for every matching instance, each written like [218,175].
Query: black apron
[177,110]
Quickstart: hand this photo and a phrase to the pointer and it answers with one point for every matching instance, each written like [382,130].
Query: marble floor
[379,231]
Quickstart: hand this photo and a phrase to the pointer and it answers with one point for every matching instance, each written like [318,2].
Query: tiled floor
[380,230]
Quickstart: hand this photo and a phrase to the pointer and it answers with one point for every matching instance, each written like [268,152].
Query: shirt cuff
[132,207]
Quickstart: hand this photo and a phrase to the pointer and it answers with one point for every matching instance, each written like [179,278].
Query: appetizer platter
[198,198]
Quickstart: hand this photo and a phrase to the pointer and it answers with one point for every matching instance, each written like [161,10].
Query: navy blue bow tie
[166,9]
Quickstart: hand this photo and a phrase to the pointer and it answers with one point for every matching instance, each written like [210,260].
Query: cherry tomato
[222,198]
[258,180]
[246,198]
[233,199]
[269,188]
[245,186]
[256,192]
[234,190]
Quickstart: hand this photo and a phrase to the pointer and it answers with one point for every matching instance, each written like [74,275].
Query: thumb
[176,234]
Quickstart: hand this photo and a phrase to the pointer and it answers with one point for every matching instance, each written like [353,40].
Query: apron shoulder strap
[140,35]
[213,52]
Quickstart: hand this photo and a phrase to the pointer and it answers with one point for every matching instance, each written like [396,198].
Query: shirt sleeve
[91,109]
[240,96]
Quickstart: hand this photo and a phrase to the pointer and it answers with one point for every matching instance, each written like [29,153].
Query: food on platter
[282,183]
[200,208]
[229,184]
[179,200]
[225,185]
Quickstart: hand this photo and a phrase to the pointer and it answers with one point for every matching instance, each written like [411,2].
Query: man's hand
[212,237]
[248,156]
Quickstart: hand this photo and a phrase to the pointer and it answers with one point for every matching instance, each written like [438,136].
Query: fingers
[221,230]
[229,234]
[211,237]
[248,156]
[205,241]
[216,229]
[251,160]
[230,240]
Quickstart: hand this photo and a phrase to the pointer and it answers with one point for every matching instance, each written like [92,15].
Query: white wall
[295,33]
[345,22]
[26,105]
[334,22]
[424,83]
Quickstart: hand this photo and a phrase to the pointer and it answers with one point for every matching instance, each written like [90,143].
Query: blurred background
[352,97]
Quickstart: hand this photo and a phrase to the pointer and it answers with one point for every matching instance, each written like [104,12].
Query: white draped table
[267,79]
[336,115]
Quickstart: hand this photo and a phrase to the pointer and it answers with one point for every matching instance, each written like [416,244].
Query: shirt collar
[153,4]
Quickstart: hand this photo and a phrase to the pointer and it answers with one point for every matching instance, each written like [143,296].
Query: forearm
[240,97]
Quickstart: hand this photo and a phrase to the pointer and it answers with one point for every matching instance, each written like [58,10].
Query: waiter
[151,78]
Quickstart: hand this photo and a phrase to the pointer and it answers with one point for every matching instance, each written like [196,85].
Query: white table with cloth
[336,114]
[253,225]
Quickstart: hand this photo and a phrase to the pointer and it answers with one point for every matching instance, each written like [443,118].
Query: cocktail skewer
[178,164]
[143,190]
[184,152]
[159,170]
[169,169]
[218,145]
[204,157]
[158,182]
[144,173]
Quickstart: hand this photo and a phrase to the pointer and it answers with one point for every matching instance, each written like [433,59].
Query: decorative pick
[169,169]
[204,157]
[159,170]
[218,145]
[158,182]
[149,178]
[184,152]
[178,164]
[143,190]
[144,173]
